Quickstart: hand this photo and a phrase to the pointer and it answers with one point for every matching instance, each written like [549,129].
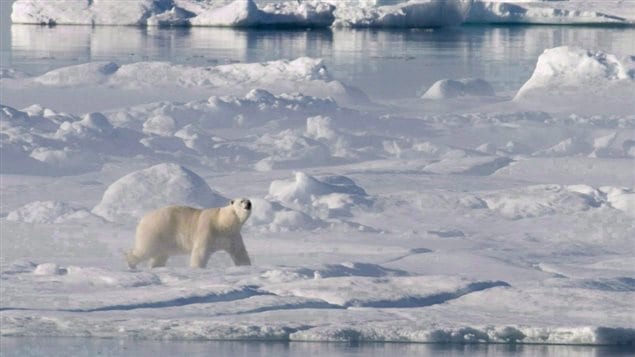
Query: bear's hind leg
[133,259]
[158,261]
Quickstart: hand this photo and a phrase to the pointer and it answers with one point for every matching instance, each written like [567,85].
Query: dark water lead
[52,346]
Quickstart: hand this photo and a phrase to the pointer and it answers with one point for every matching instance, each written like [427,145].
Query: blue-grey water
[386,64]
[78,347]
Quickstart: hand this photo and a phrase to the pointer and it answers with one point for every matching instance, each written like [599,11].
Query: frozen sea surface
[482,214]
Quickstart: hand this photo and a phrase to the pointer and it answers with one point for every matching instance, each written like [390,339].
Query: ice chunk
[564,70]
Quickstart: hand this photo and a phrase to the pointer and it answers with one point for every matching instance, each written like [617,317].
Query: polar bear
[174,230]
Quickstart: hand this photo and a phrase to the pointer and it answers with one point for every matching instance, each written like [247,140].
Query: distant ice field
[405,62]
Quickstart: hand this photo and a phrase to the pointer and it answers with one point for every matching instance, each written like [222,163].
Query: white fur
[177,230]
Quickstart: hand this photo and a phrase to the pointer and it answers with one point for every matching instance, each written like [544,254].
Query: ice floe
[305,75]
[368,224]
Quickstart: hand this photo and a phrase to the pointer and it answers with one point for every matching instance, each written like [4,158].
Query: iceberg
[315,13]
[242,13]
[239,13]
[413,13]
[540,12]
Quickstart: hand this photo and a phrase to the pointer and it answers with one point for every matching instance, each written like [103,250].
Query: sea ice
[369,223]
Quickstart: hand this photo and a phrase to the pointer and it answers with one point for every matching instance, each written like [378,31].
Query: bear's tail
[132,259]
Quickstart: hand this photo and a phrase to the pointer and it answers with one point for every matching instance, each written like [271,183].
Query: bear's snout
[247,204]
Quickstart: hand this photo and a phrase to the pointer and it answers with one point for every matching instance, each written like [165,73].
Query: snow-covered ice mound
[412,13]
[305,75]
[325,197]
[41,141]
[238,13]
[141,191]
[47,212]
[274,217]
[569,70]
[546,12]
[449,88]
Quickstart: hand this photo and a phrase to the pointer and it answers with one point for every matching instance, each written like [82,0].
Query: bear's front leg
[238,252]
[200,254]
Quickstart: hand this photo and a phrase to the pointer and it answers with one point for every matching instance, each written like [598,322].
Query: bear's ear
[231,202]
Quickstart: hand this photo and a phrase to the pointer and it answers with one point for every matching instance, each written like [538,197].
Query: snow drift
[47,212]
[412,13]
[165,184]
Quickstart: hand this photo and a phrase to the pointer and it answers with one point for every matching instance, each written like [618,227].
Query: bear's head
[242,208]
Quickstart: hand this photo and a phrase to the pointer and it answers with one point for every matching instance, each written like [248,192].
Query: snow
[312,13]
[371,221]
[449,88]
[161,185]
